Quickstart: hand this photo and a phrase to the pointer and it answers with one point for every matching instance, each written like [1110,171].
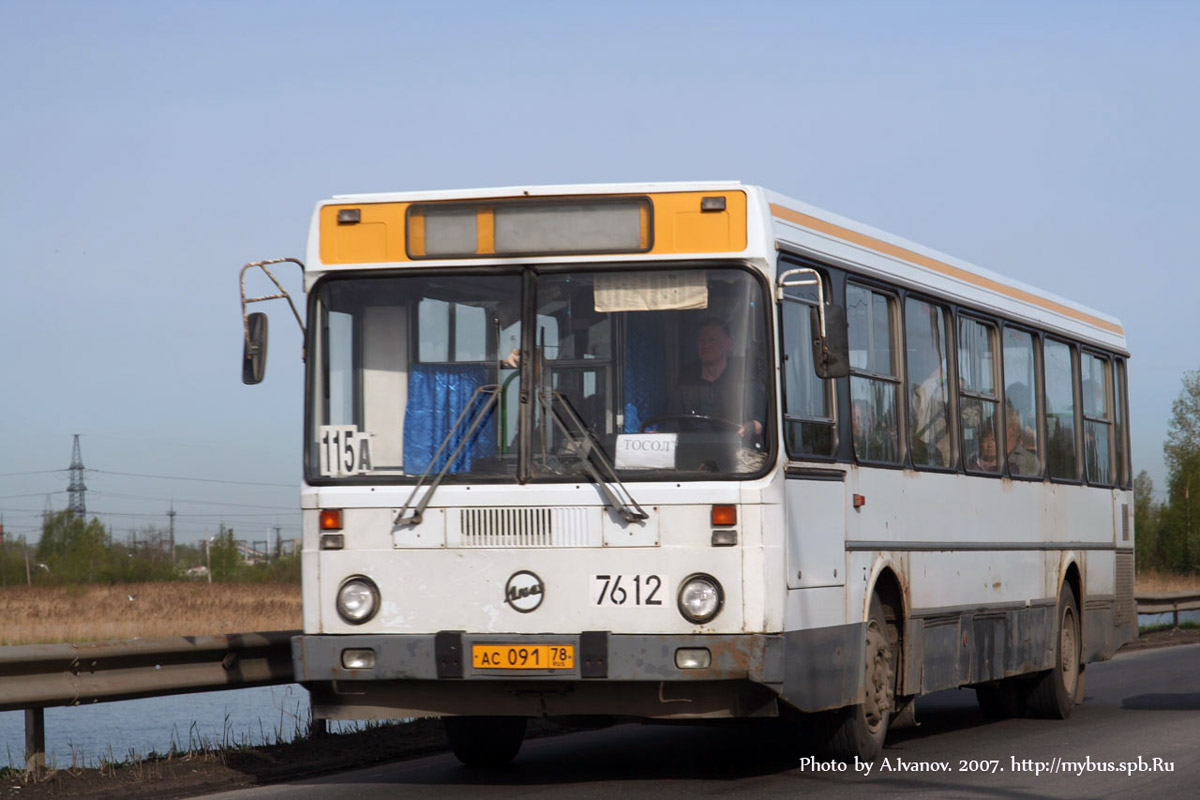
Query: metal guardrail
[1168,603]
[34,677]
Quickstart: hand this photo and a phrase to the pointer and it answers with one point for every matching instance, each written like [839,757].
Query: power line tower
[76,490]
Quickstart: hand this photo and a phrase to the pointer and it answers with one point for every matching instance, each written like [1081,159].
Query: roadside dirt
[205,773]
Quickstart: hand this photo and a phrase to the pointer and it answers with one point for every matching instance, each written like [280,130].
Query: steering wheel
[713,423]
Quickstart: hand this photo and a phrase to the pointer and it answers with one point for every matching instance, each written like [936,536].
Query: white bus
[693,451]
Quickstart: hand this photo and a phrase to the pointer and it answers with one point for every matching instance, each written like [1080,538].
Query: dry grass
[1154,582]
[91,612]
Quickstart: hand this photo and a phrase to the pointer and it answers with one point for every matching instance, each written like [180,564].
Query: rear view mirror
[254,349]
[831,343]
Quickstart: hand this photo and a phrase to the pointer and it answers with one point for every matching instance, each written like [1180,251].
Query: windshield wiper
[585,447]
[412,514]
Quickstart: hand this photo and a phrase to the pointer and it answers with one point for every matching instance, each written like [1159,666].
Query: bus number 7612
[627,590]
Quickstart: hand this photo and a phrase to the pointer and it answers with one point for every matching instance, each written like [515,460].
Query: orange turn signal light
[724,515]
[331,519]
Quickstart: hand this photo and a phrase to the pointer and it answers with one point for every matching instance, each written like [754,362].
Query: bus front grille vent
[526,527]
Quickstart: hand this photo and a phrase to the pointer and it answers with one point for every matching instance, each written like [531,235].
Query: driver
[716,385]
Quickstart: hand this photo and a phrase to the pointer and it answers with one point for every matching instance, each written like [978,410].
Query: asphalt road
[1136,734]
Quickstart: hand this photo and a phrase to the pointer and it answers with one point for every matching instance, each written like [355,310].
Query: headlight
[700,598]
[357,600]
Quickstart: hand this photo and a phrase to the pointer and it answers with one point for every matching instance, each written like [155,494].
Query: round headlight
[700,598]
[357,600]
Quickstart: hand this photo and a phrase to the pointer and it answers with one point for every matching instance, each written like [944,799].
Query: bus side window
[808,402]
[1097,418]
[1121,408]
[1060,411]
[1021,443]
[978,397]
[928,391]
[874,378]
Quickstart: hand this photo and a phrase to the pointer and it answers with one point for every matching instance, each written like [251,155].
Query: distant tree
[188,556]
[1183,431]
[1181,517]
[285,569]
[74,550]
[1147,516]
[12,562]
[224,560]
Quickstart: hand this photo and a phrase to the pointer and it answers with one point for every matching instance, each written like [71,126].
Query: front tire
[1054,692]
[485,741]
[859,731]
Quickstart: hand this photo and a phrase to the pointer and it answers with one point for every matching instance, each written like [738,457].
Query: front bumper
[599,655]
[614,675]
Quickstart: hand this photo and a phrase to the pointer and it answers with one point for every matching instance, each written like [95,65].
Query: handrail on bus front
[813,280]
[831,355]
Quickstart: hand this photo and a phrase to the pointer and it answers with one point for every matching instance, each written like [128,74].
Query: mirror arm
[281,293]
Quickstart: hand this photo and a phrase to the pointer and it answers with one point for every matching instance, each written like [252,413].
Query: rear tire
[1054,692]
[859,731]
[485,741]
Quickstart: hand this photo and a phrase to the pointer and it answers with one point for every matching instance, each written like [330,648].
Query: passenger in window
[1095,433]
[930,431]
[874,437]
[985,460]
[718,385]
[1021,459]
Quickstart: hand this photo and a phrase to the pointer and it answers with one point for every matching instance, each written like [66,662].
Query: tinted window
[1060,411]
[1021,443]
[874,383]
[977,398]
[808,416]
[1096,374]
[928,390]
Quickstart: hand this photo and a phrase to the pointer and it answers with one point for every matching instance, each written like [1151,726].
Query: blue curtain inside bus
[437,394]
[645,385]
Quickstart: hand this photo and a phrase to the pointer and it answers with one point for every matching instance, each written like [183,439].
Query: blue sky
[149,149]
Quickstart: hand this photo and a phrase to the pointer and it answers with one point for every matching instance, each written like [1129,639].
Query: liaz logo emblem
[524,591]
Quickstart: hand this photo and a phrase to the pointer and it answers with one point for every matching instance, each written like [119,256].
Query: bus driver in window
[716,385]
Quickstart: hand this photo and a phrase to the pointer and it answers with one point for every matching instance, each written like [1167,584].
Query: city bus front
[536,487]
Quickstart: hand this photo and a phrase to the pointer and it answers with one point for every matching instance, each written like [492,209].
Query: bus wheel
[485,741]
[859,730]
[1053,693]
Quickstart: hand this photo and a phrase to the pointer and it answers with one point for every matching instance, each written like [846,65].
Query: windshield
[661,374]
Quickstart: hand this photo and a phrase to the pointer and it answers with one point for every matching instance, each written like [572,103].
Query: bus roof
[776,222]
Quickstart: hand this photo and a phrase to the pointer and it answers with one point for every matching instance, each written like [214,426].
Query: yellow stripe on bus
[880,246]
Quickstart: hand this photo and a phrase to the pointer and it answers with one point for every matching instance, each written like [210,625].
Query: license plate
[523,656]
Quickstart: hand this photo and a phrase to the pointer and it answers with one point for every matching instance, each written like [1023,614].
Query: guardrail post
[1175,614]
[35,739]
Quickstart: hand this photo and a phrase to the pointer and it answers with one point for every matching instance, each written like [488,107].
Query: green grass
[1168,626]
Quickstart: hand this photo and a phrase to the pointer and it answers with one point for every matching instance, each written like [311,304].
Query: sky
[150,149]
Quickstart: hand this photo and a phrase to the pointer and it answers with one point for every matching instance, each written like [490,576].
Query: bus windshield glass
[656,374]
